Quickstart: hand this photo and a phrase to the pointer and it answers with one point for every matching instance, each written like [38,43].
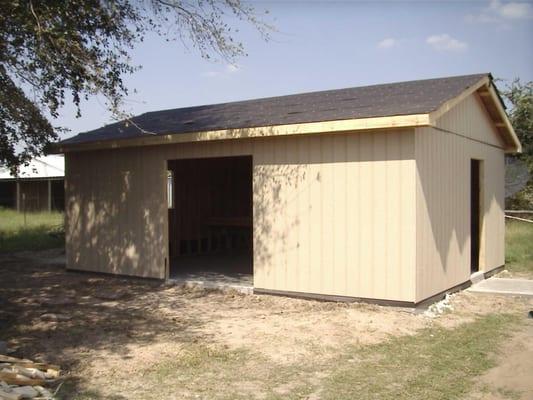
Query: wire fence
[520,215]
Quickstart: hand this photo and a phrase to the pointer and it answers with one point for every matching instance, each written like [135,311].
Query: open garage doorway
[210,219]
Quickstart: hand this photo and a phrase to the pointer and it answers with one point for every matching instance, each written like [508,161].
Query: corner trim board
[494,271]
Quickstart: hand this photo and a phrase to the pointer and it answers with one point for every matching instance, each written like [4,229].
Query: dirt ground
[514,372]
[109,332]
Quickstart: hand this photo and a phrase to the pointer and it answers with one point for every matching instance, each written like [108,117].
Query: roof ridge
[377,85]
[379,100]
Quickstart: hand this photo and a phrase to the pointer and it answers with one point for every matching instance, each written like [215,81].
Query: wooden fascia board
[484,88]
[448,105]
[505,121]
[360,124]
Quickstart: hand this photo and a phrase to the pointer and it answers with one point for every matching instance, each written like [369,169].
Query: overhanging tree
[519,97]
[51,51]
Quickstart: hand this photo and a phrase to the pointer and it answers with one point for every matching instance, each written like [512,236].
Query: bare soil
[115,335]
[512,378]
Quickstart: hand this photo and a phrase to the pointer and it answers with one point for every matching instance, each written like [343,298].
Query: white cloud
[445,42]
[210,74]
[387,43]
[231,68]
[482,18]
[227,70]
[515,10]
[499,12]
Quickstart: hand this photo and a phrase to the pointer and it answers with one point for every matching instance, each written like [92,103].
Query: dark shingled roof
[403,98]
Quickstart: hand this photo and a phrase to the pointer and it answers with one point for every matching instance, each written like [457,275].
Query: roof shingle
[403,98]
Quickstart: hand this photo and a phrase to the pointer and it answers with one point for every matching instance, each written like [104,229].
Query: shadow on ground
[49,314]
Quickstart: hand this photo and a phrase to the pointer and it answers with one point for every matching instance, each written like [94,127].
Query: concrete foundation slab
[241,283]
[216,271]
[514,287]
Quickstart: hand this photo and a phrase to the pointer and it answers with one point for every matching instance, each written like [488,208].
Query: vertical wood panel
[315,215]
[352,185]
[333,214]
[443,198]
[407,218]
[302,253]
[339,195]
[469,117]
[379,210]
[366,214]
[327,268]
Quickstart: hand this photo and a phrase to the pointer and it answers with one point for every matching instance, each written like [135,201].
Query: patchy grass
[36,231]
[166,342]
[207,371]
[171,343]
[519,248]
[437,363]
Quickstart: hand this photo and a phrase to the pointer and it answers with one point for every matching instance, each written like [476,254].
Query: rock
[61,301]
[4,302]
[55,317]
[5,318]
[44,392]
[27,392]
[3,347]
[6,394]
[108,295]
[51,373]
[32,373]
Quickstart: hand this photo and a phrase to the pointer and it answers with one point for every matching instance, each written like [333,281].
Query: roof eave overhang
[347,125]
[492,102]
[484,88]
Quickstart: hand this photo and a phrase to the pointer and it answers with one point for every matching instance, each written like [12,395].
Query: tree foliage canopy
[519,182]
[520,98]
[57,50]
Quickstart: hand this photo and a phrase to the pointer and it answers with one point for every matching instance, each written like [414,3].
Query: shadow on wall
[115,221]
[444,174]
[116,200]
[273,219]
[303,186]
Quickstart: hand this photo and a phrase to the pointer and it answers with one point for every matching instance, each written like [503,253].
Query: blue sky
[323,45]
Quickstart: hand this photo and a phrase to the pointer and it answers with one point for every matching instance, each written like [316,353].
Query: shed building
[39,186]
[392,192]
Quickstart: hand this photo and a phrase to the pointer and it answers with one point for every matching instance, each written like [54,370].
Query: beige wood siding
[116,212]
[333,214]
[472,120]
[443,198]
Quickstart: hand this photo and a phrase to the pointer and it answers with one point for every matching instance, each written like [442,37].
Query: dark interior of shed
[210,215]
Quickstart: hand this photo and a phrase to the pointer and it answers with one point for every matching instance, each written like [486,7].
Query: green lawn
[36,231]
[519,248]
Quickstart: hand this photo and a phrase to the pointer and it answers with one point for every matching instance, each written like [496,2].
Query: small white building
[39,186]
